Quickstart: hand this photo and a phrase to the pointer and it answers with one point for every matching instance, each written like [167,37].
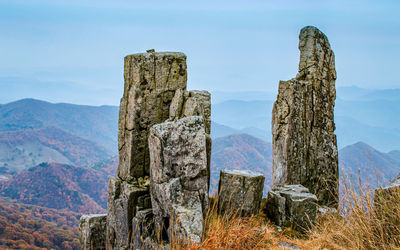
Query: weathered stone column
[304,144]
[179,178]
[154,91]
[151,80]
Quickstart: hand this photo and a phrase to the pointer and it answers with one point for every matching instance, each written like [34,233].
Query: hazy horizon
[72,51]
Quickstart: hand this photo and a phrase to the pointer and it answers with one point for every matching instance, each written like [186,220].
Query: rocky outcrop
[155,92]
[93,231]
[240,191]
[291,206]
[151,80]
[179,177]
[304,144]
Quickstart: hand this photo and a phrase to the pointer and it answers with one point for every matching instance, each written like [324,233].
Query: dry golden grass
[359,224]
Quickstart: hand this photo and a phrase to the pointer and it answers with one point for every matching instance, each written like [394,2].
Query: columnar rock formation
[304,144]
[240,191]
[151,80]
[179,177]
[155,92]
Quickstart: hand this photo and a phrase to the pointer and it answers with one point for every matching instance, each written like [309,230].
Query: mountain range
[60,156]
[95,123]
[360,115]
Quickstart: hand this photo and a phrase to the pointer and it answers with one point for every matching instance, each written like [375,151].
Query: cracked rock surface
[240,190]
[93,231]
[179,177]
[124,201]
[304,144]
[151,80]
[291,205]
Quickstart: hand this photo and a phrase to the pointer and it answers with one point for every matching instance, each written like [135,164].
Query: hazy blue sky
[72,51]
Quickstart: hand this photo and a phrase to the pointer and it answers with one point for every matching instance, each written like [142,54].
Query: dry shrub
[235,232]
[362,223]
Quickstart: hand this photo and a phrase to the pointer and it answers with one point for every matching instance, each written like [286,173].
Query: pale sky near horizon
[72,51]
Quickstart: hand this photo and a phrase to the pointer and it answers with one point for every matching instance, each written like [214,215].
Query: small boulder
[291,205]
[92,229]
[241,191]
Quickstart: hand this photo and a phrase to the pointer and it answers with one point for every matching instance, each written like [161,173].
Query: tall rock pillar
[154,92]
[304,144]
[151,80]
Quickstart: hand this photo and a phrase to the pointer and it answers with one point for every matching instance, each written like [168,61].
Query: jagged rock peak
[317,60]
[304,143]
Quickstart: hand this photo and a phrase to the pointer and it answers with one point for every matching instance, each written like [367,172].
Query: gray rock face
[92,229]
[304,144]
[194,103]
[124,201]
[241,191]
[151,80]
[291,205]
[179,177]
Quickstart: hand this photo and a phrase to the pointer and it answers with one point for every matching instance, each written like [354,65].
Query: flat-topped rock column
[304,144]
[151,80]
[240,191]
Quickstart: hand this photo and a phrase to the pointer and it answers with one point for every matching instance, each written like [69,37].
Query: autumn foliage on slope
[59,186]
[32,227]
[80,151]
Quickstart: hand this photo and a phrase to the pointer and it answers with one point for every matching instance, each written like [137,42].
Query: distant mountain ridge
[374,167]
[59,186]
[26,148]
[241,151]
[371,118]
[98,124]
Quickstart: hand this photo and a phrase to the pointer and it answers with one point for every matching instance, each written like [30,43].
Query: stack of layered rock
[304,144]
[164,154]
